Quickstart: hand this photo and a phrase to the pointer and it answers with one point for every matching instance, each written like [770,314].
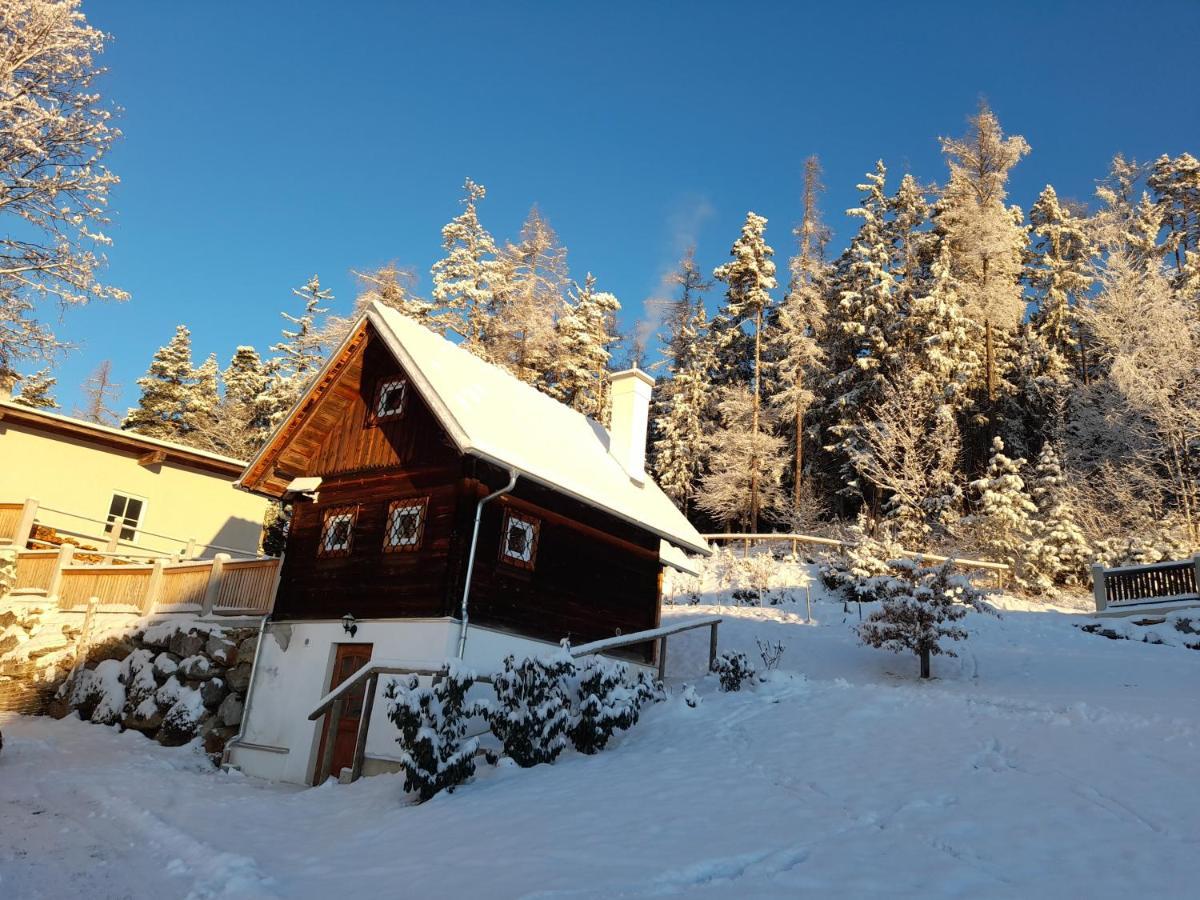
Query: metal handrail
[139,530]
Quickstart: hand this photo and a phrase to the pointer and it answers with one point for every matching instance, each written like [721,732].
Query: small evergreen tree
[1005,514]
[435,753]
[532,709]
[1060,553]
[920,605]
[36,391]
[605,703]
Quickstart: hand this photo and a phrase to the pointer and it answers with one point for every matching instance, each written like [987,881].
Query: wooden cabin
[413,466]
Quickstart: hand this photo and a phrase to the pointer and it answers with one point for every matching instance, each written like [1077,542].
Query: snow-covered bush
[532,709]
[920,603]
[869,548]
[606,701]
[1141,550]
[733,670]
[435,753]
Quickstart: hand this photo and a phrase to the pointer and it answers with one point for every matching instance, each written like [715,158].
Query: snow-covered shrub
[733,670]
[183,717]
[606,701]
[532,709]
[919,605]
[1141,550]
[435,753]
[869,548]
[647,689]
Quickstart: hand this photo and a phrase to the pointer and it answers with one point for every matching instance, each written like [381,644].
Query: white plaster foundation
[294,668]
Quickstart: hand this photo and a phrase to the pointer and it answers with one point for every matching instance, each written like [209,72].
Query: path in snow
[1042,762]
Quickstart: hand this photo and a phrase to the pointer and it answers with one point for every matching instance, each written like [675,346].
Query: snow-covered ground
[1043,762]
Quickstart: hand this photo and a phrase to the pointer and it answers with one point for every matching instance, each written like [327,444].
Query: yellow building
[90,479]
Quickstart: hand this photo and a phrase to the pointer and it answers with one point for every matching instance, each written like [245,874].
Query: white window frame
[527,558]
[111,524]
[385,388]
[329,518]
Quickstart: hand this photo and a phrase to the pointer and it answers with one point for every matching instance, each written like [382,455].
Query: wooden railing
[659,635]
[219,586]
[10,518]
[1163,582]
[747,540]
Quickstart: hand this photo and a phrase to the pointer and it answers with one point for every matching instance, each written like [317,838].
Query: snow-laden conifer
[586,335]
[37,391]
[1060,275]
[746,462]
[162,410]
[464,280]
[1059,552]
[1005,515]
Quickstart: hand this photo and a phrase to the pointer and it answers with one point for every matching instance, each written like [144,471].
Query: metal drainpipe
[236,739]
[462,634]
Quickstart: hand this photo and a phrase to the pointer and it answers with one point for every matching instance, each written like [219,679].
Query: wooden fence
[220,586]
[1132,586]
[999,570]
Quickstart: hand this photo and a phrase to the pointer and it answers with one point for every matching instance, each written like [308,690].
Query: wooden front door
[349,659]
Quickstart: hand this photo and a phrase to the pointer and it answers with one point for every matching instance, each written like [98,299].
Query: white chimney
[630,417]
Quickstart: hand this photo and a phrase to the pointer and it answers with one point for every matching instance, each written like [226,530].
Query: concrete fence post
[214,583]
[114,540]
[154,588]
[66,553]
[190,550]
[24,530]
[1098,590]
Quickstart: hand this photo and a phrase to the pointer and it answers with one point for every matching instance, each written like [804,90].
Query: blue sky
[267,141]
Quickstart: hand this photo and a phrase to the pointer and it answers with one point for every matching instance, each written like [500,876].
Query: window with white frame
[125,512]
[389,399]
[337,531]
[519,541]
[405,524]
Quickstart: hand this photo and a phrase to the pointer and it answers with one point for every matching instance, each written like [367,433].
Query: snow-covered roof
[130,440]
[495,416]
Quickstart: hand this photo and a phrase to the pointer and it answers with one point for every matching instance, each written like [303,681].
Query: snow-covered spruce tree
[434,751]
[985,238]
[99,393]
[55,130]
[908,446]
[532,709]
[681,405]
[586,336]
[1004,520]
[1126,222]
[1059,552]
[1176,185]
[746,462]
[300,354]
[797,358]
[202,412]
[162,410]
[464,279]
[749,279]
[520,336]
[920,605]
[37,391]
[605,702]
[1060,276]
[862,317]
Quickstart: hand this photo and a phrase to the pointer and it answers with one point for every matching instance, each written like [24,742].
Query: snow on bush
[182,718]
[919,605]
[532,710]
[865,558]
[606,701]
[733,670]
[435,753]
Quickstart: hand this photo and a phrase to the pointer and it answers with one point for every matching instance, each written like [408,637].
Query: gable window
[337,531]
[125,512]
[389,399]
[519,540]
[405,524]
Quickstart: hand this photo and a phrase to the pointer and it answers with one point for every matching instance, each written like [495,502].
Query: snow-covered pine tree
[162,410]
[749,279]
[435,753]
[202,413]
[532,709]
[862,319]
[37,391]
[1060,276]
[464,279]
[99,393]
[1059,552]
[920,604]
[746,462]
[243,419]
[300,354]
[1126,223]
[908,446]
[1006,513]
[797,358]
[520,336]
[1176,185]
[683,410]
[985,238]
[586,335]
